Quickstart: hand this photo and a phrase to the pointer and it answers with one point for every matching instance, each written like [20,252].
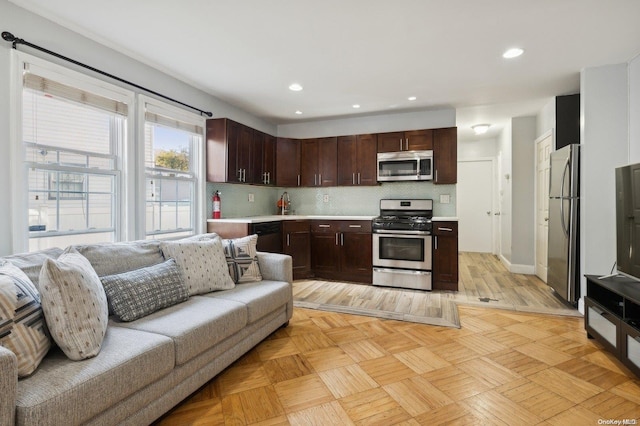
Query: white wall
[504,191]
[604,100]
[370,124]
[469,150]
[546,118]
[634,110]
[42,32]
[523,194]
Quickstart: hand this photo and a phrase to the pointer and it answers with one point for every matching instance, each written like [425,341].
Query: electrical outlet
[445,199]
[325,198]
[251,198]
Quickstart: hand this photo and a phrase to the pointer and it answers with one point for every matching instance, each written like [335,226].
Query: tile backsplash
[341,200]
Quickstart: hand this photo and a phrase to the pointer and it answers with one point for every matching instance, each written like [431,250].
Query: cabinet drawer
[630,352]
[355,226]
[445,228]
[602,324]
[295,226]
[327,226]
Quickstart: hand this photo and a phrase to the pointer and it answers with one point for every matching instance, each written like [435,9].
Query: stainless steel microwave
[405,165]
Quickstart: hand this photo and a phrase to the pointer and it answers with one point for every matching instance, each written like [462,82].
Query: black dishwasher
[269,236]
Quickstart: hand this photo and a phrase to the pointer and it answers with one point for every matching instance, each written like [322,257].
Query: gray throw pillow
[138,293]
[74,304]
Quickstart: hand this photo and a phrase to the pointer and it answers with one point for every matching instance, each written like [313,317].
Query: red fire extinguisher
[216,205]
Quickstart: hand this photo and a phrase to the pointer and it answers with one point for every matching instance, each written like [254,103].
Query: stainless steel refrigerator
[564,227]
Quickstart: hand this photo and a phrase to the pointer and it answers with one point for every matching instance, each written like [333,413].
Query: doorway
[475,194]
[543,150]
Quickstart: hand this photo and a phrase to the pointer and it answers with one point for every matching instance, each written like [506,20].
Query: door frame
[495,228]
[549,133]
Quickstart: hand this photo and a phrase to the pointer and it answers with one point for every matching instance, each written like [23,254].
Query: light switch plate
[251,198]
[445,199]
[325,198]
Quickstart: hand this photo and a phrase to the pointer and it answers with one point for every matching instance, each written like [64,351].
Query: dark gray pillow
[135,294]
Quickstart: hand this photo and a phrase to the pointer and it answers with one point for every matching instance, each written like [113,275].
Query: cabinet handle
[435,242]
[436,175]
[298,180]
[353,178]
[288,240]
[400,144]
[407,143]
[324,226]
[315,179]
[320,179]
[341,239]
[445,229]
[268,178]
[336,238]
[355,226]
[358,178]
[244,175]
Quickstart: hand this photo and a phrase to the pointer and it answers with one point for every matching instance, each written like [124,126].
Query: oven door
[406,250]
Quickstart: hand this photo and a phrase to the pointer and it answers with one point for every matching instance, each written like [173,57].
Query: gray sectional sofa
[147,366]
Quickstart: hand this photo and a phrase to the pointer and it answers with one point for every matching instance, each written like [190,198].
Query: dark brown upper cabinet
[357,160]
[412,140]
[319,162]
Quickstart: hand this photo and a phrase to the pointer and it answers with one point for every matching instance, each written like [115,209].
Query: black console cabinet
[612,316]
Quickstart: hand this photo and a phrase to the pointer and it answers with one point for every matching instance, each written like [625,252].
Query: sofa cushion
[202,264]
[64,392]
[31,263]
[260,298]
[114,258]
[242,259]
[194,325]
[23,329]
[74,304]
[135,294]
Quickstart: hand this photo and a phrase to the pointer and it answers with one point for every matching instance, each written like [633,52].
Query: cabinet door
[233,142]
[254,173]
[390,142]
[366,160]
[445,256]
[445,155]
[355,256]
[309,155]
[287,162]
[418,140]
[297,244]
[268,175]
[325,250]
[328,161]
[348,160]
[217,150]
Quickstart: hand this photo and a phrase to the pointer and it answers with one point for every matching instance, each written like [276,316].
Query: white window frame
[198,162]
[19,191]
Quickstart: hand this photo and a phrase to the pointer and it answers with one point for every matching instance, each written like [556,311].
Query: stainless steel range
[402,244]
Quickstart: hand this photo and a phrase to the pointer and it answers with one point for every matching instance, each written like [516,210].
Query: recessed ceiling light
[512,53]
[298,112]
[480,129]
[412,98]
[295,87]
[356,106]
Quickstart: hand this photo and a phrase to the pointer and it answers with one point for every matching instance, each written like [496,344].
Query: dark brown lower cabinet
[341,250]
[445,256]
[296,242]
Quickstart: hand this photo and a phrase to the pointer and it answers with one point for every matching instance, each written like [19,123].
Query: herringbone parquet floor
[502,367]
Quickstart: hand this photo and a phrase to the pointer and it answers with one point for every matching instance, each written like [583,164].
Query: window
[173,140]
[72,133]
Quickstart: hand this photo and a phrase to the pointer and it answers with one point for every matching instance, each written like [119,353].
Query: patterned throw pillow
[202,264]
[135,294]
[23,329]
[242,259]
[74,304]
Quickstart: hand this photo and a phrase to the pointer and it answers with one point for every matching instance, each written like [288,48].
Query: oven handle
[402,271]
[403,232]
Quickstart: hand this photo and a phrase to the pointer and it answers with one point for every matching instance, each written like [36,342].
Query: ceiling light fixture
[513,53]
[480,129]
[356,106]
[295,87]
[412,98]
[298,112]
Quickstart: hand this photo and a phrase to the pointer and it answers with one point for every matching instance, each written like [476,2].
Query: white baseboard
[518,269]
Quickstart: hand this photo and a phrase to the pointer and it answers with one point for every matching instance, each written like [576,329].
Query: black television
[628,220]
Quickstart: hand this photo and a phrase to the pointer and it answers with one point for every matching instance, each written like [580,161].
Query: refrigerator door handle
[564,176]
[564,225]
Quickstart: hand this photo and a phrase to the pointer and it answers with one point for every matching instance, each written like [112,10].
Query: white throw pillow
[74,304]
[23,329]
[242,259]
[202,264]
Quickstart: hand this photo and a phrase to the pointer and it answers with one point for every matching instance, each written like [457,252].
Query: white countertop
[274,218]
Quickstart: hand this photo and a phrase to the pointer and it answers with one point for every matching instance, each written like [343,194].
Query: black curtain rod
[7,36]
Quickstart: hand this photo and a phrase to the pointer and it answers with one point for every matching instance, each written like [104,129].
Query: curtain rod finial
[7,36]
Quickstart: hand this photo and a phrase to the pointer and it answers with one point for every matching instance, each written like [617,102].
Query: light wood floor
[502,367]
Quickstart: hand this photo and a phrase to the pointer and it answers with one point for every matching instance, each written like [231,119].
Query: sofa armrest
[8,386]
[275,266]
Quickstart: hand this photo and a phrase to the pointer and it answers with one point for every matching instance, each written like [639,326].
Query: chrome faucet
[286,203]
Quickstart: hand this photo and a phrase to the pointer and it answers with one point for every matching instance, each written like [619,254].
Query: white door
[475,195]
[543,151]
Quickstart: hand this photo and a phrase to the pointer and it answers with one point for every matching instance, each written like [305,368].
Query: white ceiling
[375,53]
